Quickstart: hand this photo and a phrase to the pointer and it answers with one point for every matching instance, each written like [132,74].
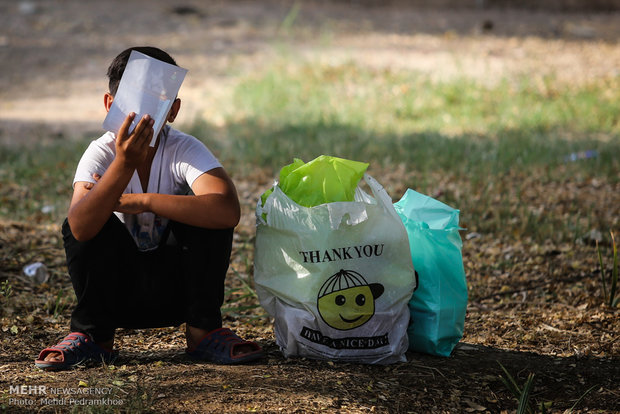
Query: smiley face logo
[346,300]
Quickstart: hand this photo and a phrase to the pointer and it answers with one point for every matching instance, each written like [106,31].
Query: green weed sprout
[236,308]
[611,300]
[523,395]
[59,305]
[5,292]
[6,289]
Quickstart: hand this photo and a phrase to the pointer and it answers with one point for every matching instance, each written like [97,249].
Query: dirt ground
[538,313]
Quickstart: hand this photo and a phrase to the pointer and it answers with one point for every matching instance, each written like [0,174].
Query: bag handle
[381,195]
[353,214]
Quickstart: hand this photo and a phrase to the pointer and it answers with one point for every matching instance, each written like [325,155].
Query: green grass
[388,102]
[494,142]
[35,183]
[386,117]
[480,144]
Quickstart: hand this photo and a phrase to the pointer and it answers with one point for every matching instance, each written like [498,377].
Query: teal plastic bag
[439,304]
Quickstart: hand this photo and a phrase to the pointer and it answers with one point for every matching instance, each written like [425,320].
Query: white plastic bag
[336,277]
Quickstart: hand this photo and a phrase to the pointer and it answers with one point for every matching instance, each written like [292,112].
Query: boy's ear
[107,101]
[174,110]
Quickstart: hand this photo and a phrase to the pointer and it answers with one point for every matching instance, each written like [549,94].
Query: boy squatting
[148,239]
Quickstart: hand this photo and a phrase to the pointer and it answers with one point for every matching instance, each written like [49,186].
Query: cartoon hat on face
[346,300]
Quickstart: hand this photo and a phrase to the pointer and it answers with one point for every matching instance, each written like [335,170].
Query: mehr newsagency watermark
[42,395]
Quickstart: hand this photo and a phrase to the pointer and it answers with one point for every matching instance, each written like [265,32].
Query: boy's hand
[89,186]
[128,203]
[131,149]
[132,204]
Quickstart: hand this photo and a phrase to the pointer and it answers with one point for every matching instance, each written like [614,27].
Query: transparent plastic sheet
[148,86]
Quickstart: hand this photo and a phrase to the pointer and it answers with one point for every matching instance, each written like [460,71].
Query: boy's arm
[214,204]
[91,208]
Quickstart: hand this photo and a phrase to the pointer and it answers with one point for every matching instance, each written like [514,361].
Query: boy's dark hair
[117,67]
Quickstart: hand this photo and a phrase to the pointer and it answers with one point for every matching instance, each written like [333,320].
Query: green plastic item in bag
[325,179]
[439,304]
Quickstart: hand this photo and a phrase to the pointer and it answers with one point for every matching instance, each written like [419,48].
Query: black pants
[118,286]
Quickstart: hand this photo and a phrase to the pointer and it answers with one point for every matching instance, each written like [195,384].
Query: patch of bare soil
[535,307]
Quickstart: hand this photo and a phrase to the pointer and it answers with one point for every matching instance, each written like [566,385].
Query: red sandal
[75,349]
[218,346]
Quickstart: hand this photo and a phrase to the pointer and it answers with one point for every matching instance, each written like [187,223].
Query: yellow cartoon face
[347,301]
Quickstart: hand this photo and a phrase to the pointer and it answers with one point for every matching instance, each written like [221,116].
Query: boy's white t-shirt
[179,160]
